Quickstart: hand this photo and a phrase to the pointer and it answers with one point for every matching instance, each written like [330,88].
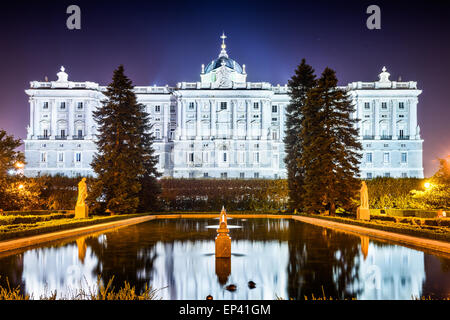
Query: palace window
[367,105]
[274,108]
[404,175]
[404,157]
[223,175]
[78,157]
[274,135]
[157,108]
[61,156]
[205,174]
[242,175]
[45,105]
[43,156]
[274,119]
[369,157]
[223,106]
[369,175]
[45,133]
[224,157]
[386,157]
[256,157]
[157,134]
[63,133]
[387,174]
[80,105]
[62,106]
[384,105]
[401,105]
[256,175]
[172,109]
[191,157]
[205,156]
[256,105]
[401,133]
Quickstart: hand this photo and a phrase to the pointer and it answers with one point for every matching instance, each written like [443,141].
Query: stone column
[394,104]
[198,121]
[36,118]
[213,109]
[266,115]
[53,128]
[412,117]
[282,123]
[87,118]
[376,110]
[178,128]
[183,120]
[70,121]
[32,102]
[248,133]
[234,104]
[165,121]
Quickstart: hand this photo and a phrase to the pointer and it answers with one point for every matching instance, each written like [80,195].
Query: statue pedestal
[81,211]
[362,214]
[223,244]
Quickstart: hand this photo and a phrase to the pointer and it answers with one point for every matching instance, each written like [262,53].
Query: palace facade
[221,126]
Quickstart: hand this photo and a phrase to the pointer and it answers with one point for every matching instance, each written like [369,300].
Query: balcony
[43,137]
[60,137]
[368,137]
[403,137]
[77,137]
[386,137]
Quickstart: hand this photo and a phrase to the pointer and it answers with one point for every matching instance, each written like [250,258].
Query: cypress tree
[299,85]
[331,149]
[125,161]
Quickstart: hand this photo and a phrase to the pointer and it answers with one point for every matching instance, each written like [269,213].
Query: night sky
[166,42]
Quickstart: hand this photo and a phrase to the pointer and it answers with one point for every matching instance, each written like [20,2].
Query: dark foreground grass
[100,292]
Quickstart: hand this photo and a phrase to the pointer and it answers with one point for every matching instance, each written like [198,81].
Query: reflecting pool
[284,258]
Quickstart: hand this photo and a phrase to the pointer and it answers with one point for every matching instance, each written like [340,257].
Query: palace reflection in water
[284,258]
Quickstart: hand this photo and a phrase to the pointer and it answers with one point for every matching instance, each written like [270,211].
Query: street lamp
[20,187]
[427,185]
[19,165]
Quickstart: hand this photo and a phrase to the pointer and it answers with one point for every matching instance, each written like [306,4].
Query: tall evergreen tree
[330,155]
[299,85]
[125,161]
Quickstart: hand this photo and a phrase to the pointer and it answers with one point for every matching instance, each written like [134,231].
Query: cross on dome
[223,52]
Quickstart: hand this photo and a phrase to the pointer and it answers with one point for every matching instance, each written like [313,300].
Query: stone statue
[81,209]
[363,212]
[364,196]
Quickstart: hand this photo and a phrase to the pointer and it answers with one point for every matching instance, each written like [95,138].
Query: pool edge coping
[419,242]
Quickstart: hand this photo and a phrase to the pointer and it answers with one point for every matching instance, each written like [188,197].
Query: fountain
[223,240]
[223,249]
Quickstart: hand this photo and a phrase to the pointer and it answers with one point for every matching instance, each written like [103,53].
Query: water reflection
[287,259]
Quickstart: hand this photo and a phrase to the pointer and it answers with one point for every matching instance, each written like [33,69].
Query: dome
[217,63]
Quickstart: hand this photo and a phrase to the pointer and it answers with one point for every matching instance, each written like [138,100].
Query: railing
[368,137]
[403,137]
[77,137]
[60,137]
[386,137]
[43,137]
